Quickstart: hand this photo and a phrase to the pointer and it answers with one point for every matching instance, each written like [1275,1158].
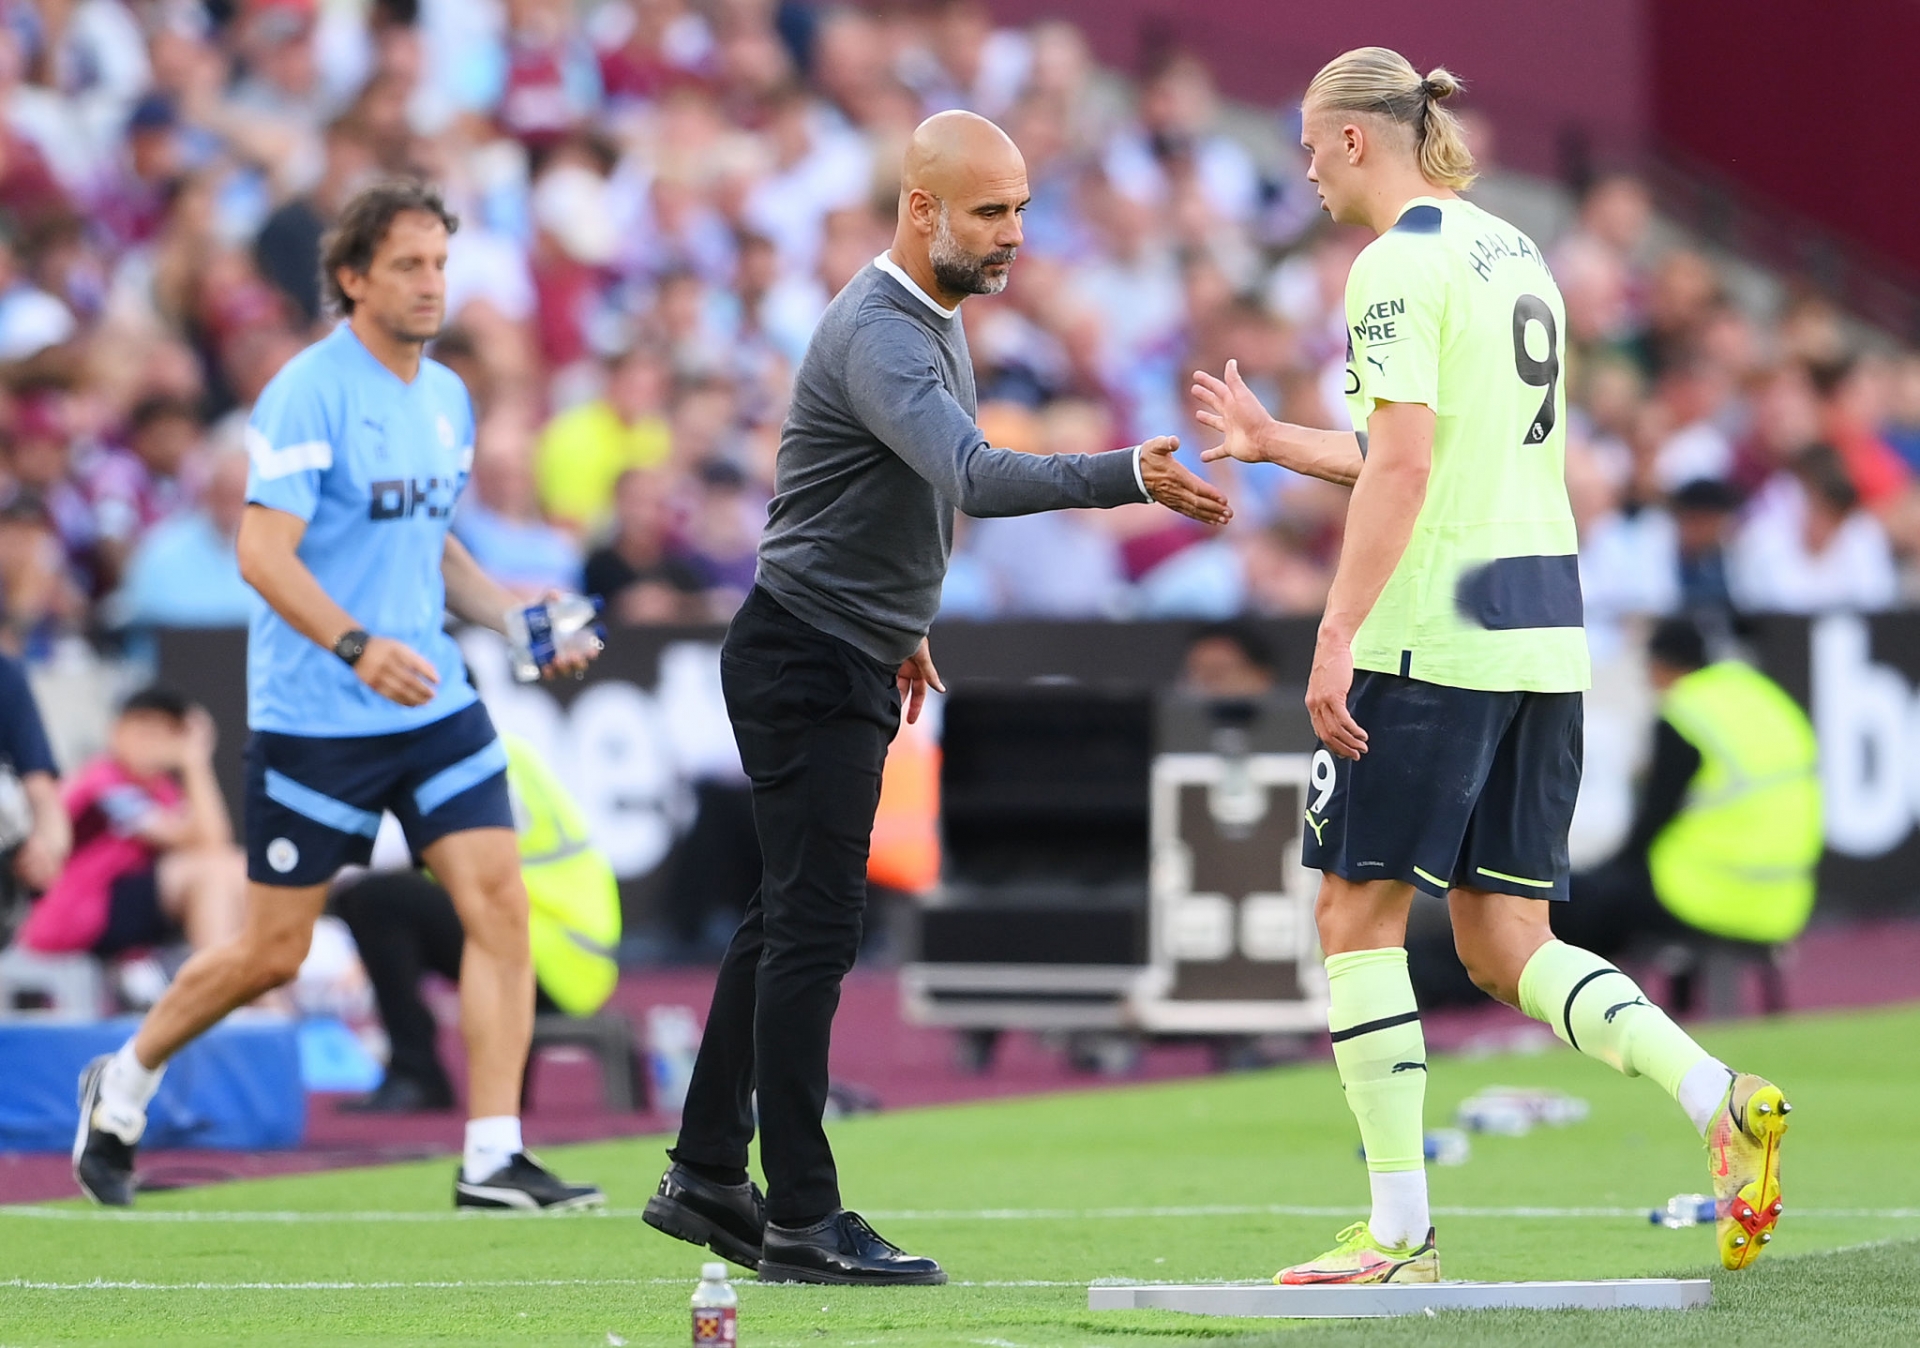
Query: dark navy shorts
[314,804]
[1458,788]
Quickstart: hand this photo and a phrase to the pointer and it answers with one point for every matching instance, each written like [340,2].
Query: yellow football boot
[1743,1152]
[1359,1258]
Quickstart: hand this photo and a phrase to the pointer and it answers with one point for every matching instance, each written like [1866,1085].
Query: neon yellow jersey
[1455,308]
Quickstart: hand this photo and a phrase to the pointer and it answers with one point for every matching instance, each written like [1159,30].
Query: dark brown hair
[363,224]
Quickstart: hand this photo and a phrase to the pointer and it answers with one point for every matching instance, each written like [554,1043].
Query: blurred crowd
[658,198]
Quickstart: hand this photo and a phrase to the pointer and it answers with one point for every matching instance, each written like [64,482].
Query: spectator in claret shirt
[131,202]
[133,489]
[39,462]
[551,83]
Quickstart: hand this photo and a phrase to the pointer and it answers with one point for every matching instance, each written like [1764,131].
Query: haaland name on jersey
[1492,247]
[1455,309]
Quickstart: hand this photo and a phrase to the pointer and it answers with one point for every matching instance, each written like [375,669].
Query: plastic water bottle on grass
[538,634]
[715,1309]
[1683,1210]
[673,1043]
[1448,1146]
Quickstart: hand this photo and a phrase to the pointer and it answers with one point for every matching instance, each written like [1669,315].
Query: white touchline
[338,1285]
[38,1213]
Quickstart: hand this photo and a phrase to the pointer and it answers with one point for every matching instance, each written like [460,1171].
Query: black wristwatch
[351,646]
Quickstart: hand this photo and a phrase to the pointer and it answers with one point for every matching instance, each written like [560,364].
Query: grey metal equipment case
[1120,863]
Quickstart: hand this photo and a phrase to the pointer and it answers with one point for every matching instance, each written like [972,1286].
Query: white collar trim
[886,264]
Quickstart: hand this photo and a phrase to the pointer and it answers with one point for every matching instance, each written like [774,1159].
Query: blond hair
[1384,83]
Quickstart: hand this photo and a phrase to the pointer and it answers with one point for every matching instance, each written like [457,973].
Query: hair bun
[1439,84]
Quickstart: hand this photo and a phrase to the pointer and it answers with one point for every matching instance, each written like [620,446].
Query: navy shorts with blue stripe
[314,803]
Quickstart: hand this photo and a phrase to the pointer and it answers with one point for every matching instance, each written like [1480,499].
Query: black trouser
[813,717]
[405,926]
[1611,907]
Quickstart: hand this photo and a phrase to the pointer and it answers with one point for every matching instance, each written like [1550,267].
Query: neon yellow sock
[1381,1053]
[1603,1013]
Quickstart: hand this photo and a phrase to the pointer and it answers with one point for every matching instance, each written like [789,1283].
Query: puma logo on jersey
[1319,827]
[1409,1067]
[1377,364]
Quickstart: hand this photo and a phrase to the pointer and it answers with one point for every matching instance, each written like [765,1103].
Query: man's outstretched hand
[1177,489]
[1229,407]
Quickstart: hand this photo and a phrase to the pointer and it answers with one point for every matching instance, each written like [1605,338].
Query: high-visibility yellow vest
[1738,859]
[571,890]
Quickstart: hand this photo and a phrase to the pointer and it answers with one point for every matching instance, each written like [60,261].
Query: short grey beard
[959,272]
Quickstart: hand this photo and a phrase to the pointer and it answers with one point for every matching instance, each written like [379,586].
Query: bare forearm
[1380,519]
[1332,456]
[49,813]
[472,594]
[291,590]
[207,821]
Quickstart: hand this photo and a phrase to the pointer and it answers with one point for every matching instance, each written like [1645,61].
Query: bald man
[879,450]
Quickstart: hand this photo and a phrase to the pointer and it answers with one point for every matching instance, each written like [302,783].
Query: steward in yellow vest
[1727,832]
[405,926]
[574,897]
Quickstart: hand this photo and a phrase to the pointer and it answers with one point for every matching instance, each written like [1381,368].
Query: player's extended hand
[397,672]
[1176,488]
[916,675]
[1229,407]
[1327,689]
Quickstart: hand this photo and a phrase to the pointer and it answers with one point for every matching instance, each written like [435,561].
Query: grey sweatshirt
[878,451]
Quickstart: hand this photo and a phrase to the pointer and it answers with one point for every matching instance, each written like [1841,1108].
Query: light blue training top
[375,466]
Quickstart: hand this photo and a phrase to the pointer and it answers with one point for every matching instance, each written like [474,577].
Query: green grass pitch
[1026,1202]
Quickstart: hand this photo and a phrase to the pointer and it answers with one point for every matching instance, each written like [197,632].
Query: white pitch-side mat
[1264,1299]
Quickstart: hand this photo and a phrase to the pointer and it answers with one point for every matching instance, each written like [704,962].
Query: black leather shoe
[842,1250]
[728,1219]
[403,1095]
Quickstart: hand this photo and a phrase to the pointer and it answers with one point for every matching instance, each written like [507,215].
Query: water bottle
[1684,1210]
[1448,1146]
[1441,1146]
[715,1308]
[1498,1114]
[673,1041]
[538,634]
